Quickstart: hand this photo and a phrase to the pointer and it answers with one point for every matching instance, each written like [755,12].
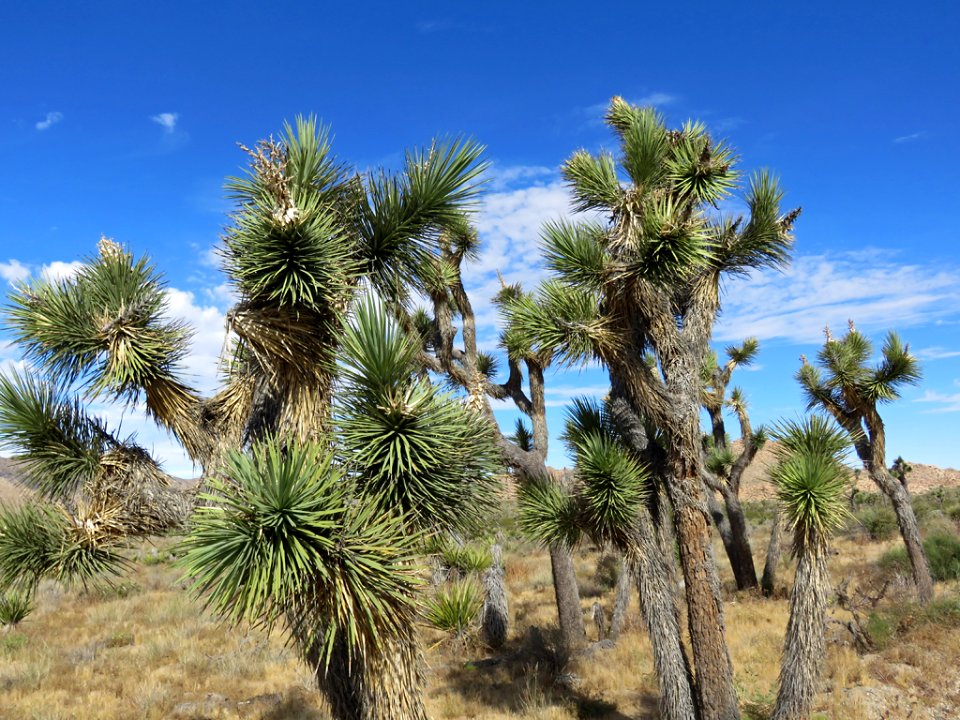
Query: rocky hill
[923,478]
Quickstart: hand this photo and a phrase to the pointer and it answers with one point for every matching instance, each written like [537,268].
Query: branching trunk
[769,581]
[741,558]
[804,647]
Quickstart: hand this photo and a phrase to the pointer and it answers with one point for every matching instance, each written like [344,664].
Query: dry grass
[146,649]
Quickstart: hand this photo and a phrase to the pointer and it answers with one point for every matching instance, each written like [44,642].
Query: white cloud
[49,121]
[868,286]
[208,324]
[58,270]
[168,121]
[13,271]
[936,353]
[947,403]
[909,138]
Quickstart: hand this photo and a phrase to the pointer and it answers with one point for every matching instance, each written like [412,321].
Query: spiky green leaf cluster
[58,443]
[843,377]
[454,609]
[811,479]
[283,535]
[416,449]
[548,513]
[105,326]
[38,541]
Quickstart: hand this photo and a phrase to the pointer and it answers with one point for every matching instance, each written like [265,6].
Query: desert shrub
[879,521]
[759,511]
[943,552]
[608,572]
[881,629]
[14,607]
[454,609]
[466,558]
[953,512]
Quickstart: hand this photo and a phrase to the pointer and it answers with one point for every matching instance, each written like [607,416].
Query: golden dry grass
[147,649]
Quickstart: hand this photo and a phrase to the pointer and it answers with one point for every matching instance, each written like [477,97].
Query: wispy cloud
[14,271]
[909,138]
[168,121]
[869,286]
[936,353]
[49,121]
[947,403]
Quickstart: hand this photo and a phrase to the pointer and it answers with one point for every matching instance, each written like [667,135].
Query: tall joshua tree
[307,234]
[440,278]
[641,292]
[844,384]
[724,467]
[810,479]
[322,535]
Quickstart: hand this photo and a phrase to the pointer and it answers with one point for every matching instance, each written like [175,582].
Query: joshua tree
[811,480]
[641,292]
[848,388]
[440,279]
[322,535]
[306,236]
[725,468]
[609,504]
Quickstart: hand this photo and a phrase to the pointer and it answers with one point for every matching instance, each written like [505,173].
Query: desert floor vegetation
[144,648]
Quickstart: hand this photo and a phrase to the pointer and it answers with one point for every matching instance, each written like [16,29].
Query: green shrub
[14,607]
[466,558]
[943,552]
[454,609]
[953,512]
[879,521]
[759,511]
[608,571]
[881,629]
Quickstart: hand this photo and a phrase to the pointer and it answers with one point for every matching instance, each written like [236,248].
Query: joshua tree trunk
[742,558]
[769,581]
[804,648]
[495,610]
[732,527]
[659,608]
[572,631]
[910,532]
[717,697]
[622,602]
[385,685]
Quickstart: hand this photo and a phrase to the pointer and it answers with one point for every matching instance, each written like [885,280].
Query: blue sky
[122,119]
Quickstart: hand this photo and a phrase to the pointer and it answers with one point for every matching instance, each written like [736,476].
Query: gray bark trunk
[804,647]
[495,610]
[769,581]
[572,631]
[910,532]
[658,606]
[622,602]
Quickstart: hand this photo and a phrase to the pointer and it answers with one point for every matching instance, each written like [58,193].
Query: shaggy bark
[769,580]
[496,618]
[621,604]
[572,631]
[805,646]
[383,685]
[658,606]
